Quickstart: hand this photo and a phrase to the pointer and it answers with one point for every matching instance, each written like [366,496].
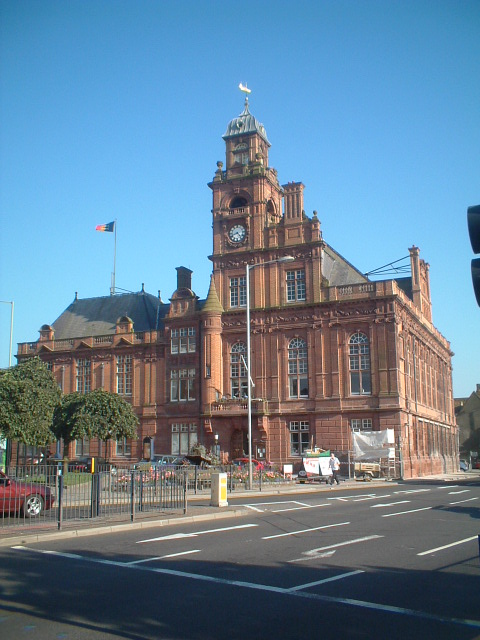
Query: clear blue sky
[116,110]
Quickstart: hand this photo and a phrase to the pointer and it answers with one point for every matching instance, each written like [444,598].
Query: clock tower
[247,204]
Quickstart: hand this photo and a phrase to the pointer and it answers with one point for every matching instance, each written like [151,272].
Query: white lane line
[448,486]
[362,604]
[294,533]
[170,555]
[254,507]
[414,490]
[447,546]
[454,493]
[462,501]
[332,579]
[390,504]
[371,498]
[315,553]
[194,534]
[401,513]
[307,506]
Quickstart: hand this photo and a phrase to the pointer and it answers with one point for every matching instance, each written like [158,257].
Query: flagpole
[112,288]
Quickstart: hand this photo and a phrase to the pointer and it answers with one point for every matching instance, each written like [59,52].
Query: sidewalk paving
[198,510]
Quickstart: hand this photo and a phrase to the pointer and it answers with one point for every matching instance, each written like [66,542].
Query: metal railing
[44,494]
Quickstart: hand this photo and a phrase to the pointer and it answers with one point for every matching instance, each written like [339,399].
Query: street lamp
[11,331]
[249,267]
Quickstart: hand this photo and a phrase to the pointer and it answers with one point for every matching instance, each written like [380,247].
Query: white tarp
[317,466]
[371,445]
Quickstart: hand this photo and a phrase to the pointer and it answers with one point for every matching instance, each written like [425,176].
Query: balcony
[239,406]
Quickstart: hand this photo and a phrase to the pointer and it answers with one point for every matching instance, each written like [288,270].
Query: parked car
[463,465]
[22,497]
[243,462]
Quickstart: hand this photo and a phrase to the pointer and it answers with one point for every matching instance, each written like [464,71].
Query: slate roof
[245,124]
[338,271]
[98,316]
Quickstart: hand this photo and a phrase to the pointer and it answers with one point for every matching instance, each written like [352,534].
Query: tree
[97,414]
[29,395]
[67,423]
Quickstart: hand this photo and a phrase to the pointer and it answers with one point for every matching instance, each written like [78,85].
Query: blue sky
[116,110]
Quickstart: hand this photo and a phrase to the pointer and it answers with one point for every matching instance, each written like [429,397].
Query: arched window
[298,368]
[359,363]
[238,370]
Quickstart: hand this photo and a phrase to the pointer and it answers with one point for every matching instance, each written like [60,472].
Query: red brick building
[331,350]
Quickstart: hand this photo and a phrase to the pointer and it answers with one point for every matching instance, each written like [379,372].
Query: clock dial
[237,233]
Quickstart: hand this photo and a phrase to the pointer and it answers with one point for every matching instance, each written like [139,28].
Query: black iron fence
[44,494]
[51,495]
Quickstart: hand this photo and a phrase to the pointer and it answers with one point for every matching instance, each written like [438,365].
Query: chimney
[293,201]
[184,278]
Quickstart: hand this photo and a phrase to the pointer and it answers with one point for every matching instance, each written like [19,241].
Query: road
[397,561]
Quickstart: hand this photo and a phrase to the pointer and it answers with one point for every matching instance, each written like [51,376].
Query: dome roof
[245,123]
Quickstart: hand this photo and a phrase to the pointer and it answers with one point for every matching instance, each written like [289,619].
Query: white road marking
[448,486]
[307,506]
[454,493]
[316,553]
[401,513]
[299,593]
[294,533]
[390,504]
[194,534]
[414,490]
[373,497]
[170,555]
[447,546]
[461,501]
[332,579]
[254,507]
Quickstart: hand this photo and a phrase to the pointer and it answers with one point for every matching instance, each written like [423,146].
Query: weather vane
[244,88]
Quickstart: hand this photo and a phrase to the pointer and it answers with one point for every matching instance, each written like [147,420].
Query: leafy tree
[29,395]
[97,414]
[67,423]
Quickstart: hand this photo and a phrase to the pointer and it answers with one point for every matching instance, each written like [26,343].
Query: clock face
[237,233]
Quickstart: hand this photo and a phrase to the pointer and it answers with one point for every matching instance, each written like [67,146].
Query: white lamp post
[249,267]
[11,331]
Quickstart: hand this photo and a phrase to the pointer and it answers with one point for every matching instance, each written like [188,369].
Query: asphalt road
[382,562]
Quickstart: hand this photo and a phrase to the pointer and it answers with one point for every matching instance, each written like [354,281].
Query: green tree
[67,419]
[29,395]
[97,414]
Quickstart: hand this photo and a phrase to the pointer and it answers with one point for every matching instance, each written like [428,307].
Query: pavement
[199,509]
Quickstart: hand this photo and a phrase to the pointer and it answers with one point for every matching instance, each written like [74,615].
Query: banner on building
[372,445]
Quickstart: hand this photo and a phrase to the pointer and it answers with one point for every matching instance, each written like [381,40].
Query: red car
[26,498]
[243,462]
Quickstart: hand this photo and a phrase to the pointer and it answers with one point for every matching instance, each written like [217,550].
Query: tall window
[296,289]
[183,340]
[359,362]
[82,447]
[123,447]
[83,375]
[124,375]
[184,437]
[238,291]
[238,370]
[299,437]
[182,385]
[298,368]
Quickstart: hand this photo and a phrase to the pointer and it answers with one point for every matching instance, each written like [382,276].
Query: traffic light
[473,217]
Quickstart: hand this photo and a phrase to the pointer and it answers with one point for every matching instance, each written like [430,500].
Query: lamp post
[11,303]
[248,268]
